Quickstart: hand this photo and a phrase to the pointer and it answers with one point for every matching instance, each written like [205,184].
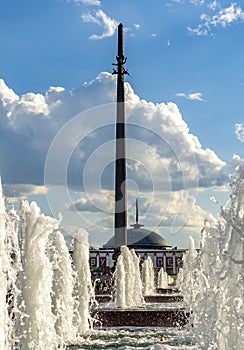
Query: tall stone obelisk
[120,216]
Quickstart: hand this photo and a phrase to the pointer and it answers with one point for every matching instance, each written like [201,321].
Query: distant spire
[137,225]
[136,210]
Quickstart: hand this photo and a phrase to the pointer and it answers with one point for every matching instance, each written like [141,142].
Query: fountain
[131,307]
[83,288]
[35,323]
[120,284]
[148,278]
[63,304]
[47,300]
[162,279]
[49,297]
[128,280]
[212,281]
[4,285]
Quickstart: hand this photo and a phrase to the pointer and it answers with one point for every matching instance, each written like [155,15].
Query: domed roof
[138,237]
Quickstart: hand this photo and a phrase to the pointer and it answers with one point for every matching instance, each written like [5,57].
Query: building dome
[138,237]
[141,238]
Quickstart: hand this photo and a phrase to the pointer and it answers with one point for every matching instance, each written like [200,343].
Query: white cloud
[100,18]
[171,210]
[16,192]
[94,203]
[166,166]
[161,149]
[193,96]
[198,2]
[56,89]
[176,1]
[200,30]
[137,26]
[214,5]
[222,17]
[228,15]
[30,102]
[235,162]
[87,2]
[239,131]
[194,2]
[8,98]
[34,103]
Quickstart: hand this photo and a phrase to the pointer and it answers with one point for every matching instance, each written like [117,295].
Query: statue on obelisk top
[120,216]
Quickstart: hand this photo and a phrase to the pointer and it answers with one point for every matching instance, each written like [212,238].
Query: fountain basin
[104,298]
[162,298]
[139,318]
[156,298]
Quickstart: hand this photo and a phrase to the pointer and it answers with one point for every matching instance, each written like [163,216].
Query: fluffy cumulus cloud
[8,97]
[100,18]
[159,143]
[33,103]
[67,137]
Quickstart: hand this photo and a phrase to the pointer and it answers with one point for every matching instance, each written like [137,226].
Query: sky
[184,110]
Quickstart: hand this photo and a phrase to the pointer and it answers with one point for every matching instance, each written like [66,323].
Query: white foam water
[120,300]
[4,267]
[137,281]
[83,287]
[162,279]
[36,322]
[148,277]
[48,300]
[144,338]
[62,289]
[128,280]
[212,281]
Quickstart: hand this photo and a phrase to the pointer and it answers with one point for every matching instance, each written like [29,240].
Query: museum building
[145,243]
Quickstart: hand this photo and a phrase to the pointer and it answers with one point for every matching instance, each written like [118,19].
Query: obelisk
[120,216]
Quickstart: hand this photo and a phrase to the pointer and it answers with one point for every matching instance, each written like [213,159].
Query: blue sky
[186,52]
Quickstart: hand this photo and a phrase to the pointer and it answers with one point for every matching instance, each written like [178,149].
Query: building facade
[171,259]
